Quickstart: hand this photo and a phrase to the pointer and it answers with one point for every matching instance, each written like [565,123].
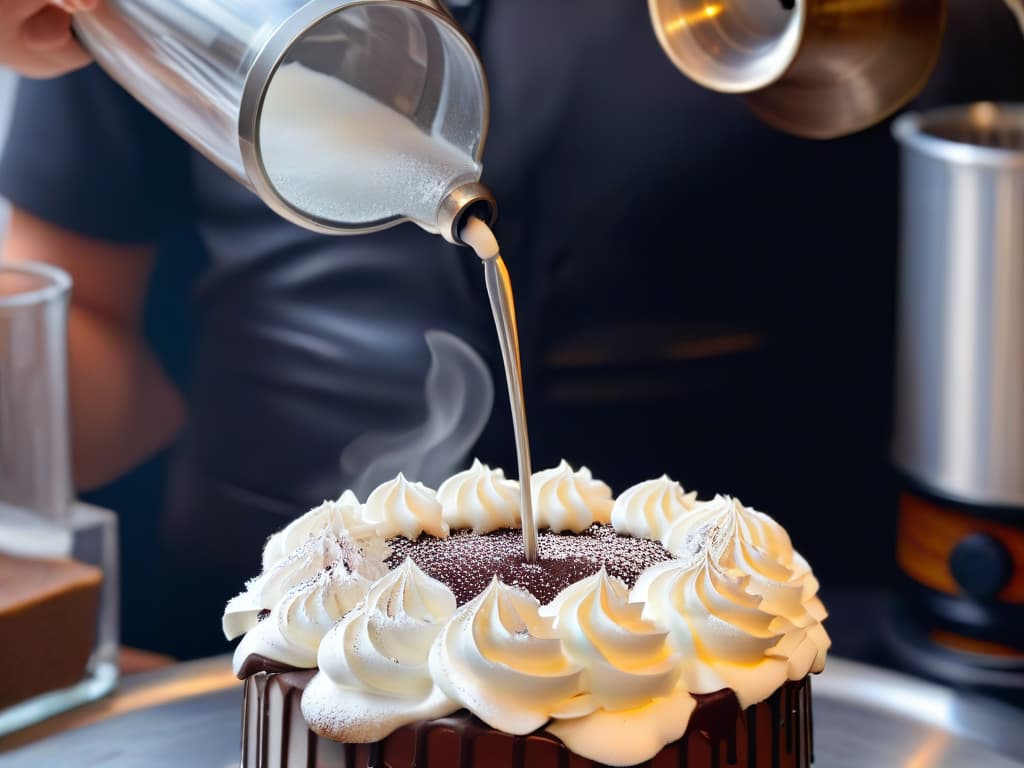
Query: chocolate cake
[37,596]
[776,733]
[654,629]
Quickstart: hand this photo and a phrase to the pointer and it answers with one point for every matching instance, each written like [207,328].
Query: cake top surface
[418,602]
[466,561]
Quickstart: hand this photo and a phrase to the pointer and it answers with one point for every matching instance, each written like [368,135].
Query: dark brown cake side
[776,733]
[47,624]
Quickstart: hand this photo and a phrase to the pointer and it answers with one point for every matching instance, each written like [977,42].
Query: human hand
[36,39]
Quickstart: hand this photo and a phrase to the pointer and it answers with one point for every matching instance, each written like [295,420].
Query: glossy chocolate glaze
[776,733]
[255,663]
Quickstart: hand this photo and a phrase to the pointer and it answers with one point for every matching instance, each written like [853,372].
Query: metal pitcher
[207,68]
[813,68]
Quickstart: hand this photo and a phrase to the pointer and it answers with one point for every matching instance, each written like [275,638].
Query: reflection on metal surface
[171,690]
[929,752]
[693,17]
[137,692]
[893,716]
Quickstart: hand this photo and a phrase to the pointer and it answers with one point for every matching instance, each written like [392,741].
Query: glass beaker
[35,459]
[58,559]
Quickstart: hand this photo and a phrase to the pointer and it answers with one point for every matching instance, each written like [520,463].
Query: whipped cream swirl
[752,544]
[403,508]
[263,592]
[564,500]
[480,499]
[500,659]
[630,673]
[627,659]
[724,638]
[374,675]
[648,509]
[291,634]
[339,517]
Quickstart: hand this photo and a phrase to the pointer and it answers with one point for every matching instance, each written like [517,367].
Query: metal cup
[813,68]
[958,438]
[959,427]
[205,67]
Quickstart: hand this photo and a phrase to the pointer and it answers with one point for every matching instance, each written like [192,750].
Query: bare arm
[123,407]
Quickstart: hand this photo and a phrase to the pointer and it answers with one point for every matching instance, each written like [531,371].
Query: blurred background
[750,352]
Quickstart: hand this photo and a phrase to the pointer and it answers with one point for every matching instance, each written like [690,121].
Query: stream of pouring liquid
[499,289]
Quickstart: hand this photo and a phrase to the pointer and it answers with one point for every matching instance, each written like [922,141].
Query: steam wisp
[459,395]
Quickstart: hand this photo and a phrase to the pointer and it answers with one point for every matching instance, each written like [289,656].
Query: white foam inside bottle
[339,155]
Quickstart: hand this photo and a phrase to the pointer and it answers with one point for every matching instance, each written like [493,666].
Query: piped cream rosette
[750,547]
[608,670]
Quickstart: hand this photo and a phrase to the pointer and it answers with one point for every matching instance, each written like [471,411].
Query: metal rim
[58,286]
[259,77]
[725,86]
[464,200]
[911,130]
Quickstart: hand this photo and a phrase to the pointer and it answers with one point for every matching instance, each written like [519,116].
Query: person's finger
[48,29]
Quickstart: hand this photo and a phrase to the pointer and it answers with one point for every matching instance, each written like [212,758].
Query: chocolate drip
[275,736]
[776,726]
[518,750]
[810,721]
[255,663]
[752,713]
[806,743]
[789,719]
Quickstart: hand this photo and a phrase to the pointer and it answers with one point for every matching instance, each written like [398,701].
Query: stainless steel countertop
[189,715]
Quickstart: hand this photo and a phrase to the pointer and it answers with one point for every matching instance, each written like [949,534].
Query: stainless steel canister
[959,416]
[205,67]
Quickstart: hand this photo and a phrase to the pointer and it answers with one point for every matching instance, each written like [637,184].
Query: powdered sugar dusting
[466,562]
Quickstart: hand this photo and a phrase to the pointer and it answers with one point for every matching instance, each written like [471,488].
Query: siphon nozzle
[469,199]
